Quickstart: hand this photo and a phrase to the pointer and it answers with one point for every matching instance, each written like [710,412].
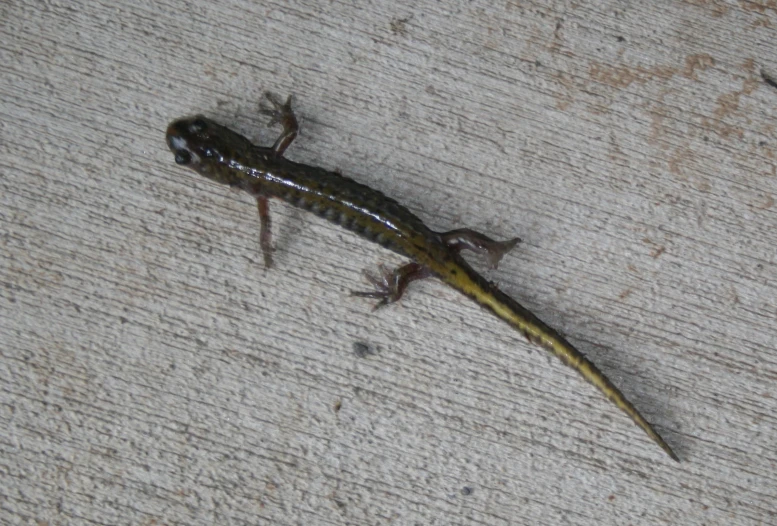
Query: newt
[229,158]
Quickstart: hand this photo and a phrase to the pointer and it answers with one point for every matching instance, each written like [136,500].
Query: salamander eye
[197,126]
[183,157]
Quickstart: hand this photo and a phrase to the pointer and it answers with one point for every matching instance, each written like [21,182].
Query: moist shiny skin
[226,157]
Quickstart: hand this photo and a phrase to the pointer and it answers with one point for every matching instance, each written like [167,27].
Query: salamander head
[206,147]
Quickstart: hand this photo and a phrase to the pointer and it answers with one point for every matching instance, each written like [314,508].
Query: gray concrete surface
[154,373]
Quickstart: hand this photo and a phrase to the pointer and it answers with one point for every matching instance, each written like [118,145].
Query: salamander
[229,158]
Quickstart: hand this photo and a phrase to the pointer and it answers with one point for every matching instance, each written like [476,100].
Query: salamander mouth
[174,140]
[171,136]
[179,145]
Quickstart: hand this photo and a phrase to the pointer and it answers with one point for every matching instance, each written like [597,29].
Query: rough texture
[154,373]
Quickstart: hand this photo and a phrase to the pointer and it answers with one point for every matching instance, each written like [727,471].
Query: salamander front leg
[464,238]
[282,114]
[265,234]
[390,285]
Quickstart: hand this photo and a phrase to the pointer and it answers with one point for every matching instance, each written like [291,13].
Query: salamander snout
[188,138]
[207,148]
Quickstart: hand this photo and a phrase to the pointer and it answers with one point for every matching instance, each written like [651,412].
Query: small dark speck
[123,320]
[537,63]
[363,349]
[398,25]
[762,144]
[466,490]
[338,405]
[620,39]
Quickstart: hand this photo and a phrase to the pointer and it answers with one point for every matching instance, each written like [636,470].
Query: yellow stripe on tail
[459,275]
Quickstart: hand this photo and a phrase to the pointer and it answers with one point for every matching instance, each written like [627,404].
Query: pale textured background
[154,373]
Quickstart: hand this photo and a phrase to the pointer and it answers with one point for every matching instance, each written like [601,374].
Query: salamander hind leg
[466,239]
[281,113]
[390,285]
